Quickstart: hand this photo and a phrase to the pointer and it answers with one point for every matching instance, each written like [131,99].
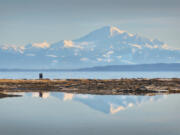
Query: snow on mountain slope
[104,46]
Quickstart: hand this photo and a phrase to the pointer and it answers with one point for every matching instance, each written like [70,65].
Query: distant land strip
[140,67]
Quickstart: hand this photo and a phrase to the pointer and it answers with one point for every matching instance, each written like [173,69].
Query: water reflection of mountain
[109,104]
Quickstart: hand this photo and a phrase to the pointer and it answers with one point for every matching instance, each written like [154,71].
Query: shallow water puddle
[66,113]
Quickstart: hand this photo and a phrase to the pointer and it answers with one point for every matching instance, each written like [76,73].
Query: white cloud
[41,45]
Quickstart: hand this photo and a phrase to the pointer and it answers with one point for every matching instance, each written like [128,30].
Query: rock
[142,88]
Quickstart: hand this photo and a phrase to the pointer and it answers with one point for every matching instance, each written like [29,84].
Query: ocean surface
[76,114]
[89,75]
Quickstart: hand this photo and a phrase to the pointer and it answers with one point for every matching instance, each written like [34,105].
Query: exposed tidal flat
[141,86]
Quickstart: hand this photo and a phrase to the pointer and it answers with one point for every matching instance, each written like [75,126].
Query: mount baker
[105,46]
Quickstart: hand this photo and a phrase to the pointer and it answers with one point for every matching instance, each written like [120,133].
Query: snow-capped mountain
[105,46]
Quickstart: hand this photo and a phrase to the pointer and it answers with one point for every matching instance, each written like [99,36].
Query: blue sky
[29,21]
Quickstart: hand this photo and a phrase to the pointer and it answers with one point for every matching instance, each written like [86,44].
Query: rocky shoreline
[94,86]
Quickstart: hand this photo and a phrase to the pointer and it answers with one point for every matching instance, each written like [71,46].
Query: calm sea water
[90,75]
[76,114]
[81,114]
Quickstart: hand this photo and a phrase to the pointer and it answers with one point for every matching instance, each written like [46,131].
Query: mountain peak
[115,30]
[105,32]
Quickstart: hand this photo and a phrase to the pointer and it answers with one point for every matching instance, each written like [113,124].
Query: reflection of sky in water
[66,113]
